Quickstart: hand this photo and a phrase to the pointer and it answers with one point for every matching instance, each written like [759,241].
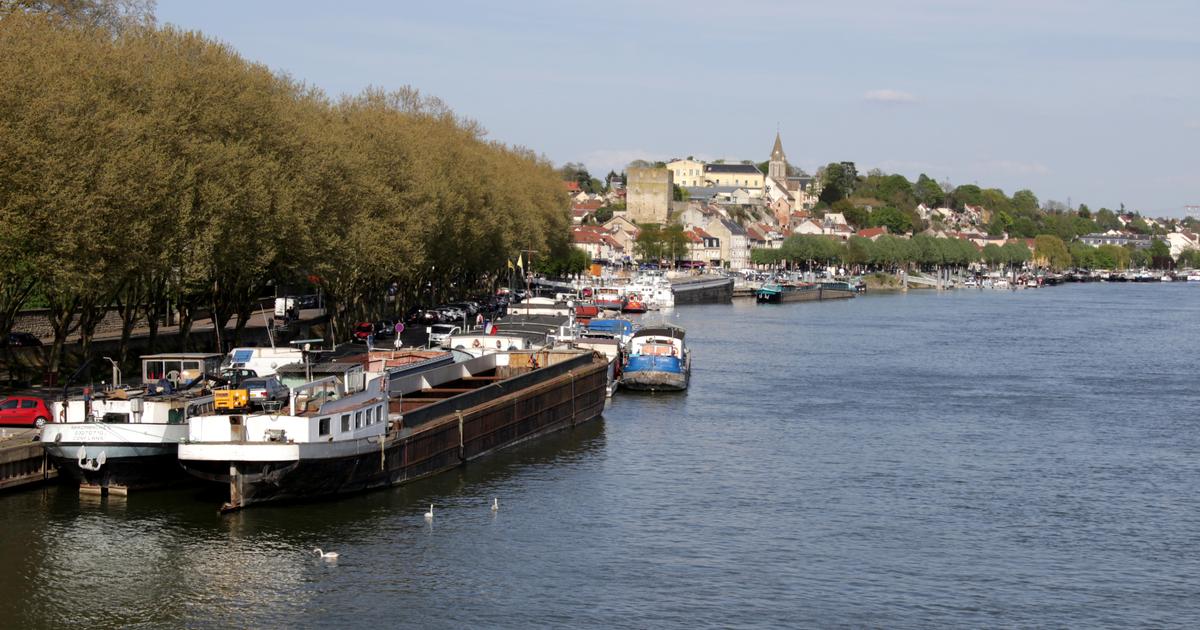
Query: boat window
[370,416]
[346,423]
[115,418]
[191,365]
[358,420]
[379,412]
[323,426]
[175,416]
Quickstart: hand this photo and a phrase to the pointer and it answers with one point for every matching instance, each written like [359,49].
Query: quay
[23,461]
[702,290]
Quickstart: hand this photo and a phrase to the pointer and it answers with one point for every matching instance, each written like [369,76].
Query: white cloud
[889,96]
[1191,124]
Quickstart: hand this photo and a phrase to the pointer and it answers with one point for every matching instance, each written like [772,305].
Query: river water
[962,459]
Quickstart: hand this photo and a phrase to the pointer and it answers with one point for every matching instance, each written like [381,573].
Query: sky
[1094,102]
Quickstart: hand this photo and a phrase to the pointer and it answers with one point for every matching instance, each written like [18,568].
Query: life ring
[476,344]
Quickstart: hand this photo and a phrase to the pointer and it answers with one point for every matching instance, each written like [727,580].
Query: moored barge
[328,441]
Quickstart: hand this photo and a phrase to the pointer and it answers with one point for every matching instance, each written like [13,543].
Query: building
[649,192]
[777,168]
[1113,237]
[687,173]
[703,247]
[735,246]
[737,175]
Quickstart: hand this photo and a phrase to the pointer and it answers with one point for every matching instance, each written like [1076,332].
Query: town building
[687,172]
[737,175]
[648,196]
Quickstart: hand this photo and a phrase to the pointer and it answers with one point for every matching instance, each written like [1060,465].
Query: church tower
[777,168]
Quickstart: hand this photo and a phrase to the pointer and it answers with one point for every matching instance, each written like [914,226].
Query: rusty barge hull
[437,437]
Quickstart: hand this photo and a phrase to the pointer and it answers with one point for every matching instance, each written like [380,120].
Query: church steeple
[777,167]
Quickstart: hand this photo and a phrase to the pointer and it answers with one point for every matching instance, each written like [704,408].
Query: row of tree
[143,167]
[889,252]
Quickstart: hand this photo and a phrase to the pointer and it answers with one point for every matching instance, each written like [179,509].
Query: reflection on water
[970,459]
[94,561]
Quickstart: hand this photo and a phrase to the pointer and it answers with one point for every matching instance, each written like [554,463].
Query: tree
[1083,256]
[896,222]
[967,195]
[837,182]
[112,15]
[1025,201]
[1111,257]
[1052,251]
[929,192]
[1016,252]
[1189,259]
[994,255]
[1160,255]
[1107,220]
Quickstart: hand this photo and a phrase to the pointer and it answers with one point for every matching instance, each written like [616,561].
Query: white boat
[127,438]
[1193,276]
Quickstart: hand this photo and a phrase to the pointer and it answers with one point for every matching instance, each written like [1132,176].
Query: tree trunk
[61,316]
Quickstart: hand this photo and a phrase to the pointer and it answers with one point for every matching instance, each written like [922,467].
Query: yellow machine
[231,399]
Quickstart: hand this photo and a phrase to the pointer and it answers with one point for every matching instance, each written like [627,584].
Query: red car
[23,410]
[362,330]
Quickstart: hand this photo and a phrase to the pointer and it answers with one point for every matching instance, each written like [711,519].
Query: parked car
[25,411]
[261,389]
[441,333]
[385,328]
[362,330]
[23,339]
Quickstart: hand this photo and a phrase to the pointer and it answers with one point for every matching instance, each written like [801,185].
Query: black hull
[814,294]
[127,473]
[313,479]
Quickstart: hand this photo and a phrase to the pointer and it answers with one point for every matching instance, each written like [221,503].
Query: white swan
[429,514]
[495,505]
[326,555]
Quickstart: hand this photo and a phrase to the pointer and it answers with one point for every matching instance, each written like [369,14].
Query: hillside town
[725,211]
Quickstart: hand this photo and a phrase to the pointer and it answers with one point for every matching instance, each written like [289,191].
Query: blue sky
[1094,101]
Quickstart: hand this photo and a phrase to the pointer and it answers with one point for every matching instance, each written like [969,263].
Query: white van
[261,361]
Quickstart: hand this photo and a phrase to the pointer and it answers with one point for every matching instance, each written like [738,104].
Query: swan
[495,505]
[326,555]
[429,514]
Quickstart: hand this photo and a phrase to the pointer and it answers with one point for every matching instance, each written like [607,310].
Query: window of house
[323,426]
[346,423]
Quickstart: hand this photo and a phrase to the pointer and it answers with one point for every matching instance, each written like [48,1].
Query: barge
[779,293]
[127,438]
[328,441]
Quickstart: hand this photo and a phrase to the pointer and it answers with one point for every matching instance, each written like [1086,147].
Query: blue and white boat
[658,360]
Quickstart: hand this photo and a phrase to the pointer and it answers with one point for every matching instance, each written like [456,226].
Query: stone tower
[777,168]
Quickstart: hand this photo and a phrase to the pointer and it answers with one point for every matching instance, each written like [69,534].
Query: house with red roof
[873,233]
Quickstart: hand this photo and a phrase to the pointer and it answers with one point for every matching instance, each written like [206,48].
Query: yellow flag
[510,265]
[521,262]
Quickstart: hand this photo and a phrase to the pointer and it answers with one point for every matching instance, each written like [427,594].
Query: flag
[510,265]
[521,262]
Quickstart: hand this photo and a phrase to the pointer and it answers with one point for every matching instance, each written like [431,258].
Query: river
[956,459]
